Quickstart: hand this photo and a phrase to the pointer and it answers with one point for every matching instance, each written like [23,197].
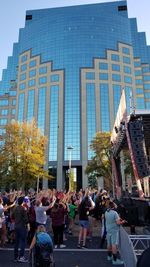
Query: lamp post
[70,148]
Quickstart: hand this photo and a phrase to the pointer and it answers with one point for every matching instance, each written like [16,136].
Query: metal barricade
[140,243]
[126,249]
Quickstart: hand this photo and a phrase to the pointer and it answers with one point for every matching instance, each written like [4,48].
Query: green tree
[22,154]
[100,165]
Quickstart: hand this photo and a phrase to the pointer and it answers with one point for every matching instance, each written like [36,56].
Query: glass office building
[69,67]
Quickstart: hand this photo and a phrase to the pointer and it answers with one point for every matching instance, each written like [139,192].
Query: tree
[22,154]
[100,165]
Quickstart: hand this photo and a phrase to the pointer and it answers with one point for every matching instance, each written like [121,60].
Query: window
[145,69]
[22,76]
[3,121]
[115,57]
[28,17]
[4,102]
[4,112]
[31,83]
[127,79]
[138,72]
[126,50]
[103,76]
[104,107]
[22,86]
[116,77]
[122,8]
[32,63]
[127,69]
[103,66]
[42,70]
[24,58]
[14,102]
[139,81]
[126,60]
[23,67]
[13,111]
[146,78]
[115,67]
[42,80]
[54,78]
[139,91]
[137,64]
[32,73]
[90,75]
[147,86]
[147,95]
[12,93]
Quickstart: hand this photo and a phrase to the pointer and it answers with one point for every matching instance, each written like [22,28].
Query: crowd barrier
[126,249]
[130,246]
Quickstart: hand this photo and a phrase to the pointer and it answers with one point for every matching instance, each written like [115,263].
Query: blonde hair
[41,228]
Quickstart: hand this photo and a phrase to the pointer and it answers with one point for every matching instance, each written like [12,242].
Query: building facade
[68,69]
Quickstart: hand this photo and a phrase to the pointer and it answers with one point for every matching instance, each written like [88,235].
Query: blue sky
[12,17]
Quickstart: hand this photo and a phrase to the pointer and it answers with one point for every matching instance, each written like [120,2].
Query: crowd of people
[22,216]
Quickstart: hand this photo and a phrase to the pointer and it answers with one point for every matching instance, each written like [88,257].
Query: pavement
[70,256]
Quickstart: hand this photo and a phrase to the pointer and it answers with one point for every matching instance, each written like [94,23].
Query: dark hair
[20,200]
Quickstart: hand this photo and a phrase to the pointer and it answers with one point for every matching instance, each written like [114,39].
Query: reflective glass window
[21,108]
[104,107]
[54,78]
[147,104]
[103,66]
[30,107]
[103,76]
[14,102]
[138,81]
[32,73]
[12,93]
[13,111]
[22,76]
[115,67]
[146,69]
[54,108]
[139,90]
[128,91]
[137,64]
[3,121]
[140,103]
[4,112]
[42,70]
[22,86]
[23,67]
[127,79]
[42,80]
[126,50]
[147,95]
[32,63]
[41,108]
[91,115]
[4,102]
[116,77]
[138,72]
[117,95]
[31,83]
[24,58]
[90,75]
[147,86]
[126,60]
[127,69]
[115,57]
[146,78]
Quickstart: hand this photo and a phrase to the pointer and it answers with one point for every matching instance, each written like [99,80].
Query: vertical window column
[91,115]
[21,107]
[104,107]
[41,108]
[30,111]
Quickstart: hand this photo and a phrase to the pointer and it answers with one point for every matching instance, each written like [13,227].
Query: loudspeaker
[138,147]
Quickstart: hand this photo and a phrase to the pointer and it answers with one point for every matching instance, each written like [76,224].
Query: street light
[70,148]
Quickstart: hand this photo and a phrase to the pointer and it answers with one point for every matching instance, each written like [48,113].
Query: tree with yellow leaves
[22,154]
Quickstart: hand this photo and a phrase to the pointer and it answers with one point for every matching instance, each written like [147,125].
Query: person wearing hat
[113,221]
